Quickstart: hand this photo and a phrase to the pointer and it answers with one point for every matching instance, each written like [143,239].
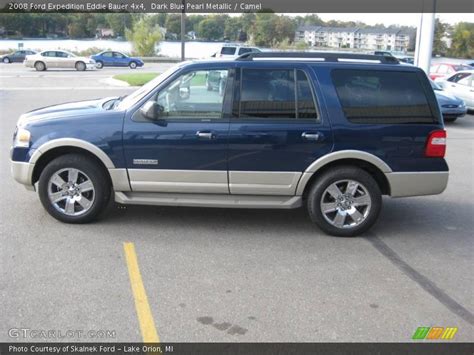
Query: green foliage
[463,40]
[211,28]
[143,37]
[269,29]
[136,79]
[439,46]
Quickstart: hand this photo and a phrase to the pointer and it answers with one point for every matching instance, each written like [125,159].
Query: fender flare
[72,142]
[339,155]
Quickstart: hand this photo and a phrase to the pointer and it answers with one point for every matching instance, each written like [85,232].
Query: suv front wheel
[344,201]
[74,189]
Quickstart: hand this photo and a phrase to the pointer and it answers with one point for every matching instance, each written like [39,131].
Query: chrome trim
[208,200]
[263,182]
[417,183]
[72,142]
[339,155]
[181,181]
[119,179]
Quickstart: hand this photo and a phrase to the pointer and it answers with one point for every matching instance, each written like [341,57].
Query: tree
[439,46]
[118,22]
[144,37]
[210,29]
[463,40]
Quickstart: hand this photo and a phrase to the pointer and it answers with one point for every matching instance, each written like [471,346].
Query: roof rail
[320,56]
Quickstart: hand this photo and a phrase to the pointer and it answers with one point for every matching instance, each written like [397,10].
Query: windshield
[145,89]
[435,86]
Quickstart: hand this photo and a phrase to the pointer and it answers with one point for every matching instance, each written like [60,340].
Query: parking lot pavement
[16,77]
[238,275]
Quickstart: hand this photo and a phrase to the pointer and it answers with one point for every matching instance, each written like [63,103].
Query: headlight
[22,138]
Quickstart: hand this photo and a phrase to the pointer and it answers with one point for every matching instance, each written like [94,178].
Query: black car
[16,57]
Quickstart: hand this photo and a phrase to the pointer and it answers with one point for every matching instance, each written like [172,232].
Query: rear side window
[276,94]
[383,97]
[245,50]
[228,50]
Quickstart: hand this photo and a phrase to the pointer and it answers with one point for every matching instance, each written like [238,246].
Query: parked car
[406,59]
[16,57]
[232,51]
[451,107]
[58,59]
[116,59]
[441,70]
[461,85]
[332,132]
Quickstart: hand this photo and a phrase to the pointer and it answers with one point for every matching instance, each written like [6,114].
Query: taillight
[436,144]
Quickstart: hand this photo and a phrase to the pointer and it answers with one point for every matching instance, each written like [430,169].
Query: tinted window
[457,77]
[382,96]
[267,94]
[48,54]
[118,55]
[194,95]
[306,107]
[107,54]
[228,50]
[62,55]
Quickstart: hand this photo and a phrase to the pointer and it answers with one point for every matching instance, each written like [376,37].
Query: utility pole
[183,30]
[425,37]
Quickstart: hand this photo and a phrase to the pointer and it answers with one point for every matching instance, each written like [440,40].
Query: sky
[394,19]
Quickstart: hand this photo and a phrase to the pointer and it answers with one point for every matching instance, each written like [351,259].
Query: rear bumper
[418,183]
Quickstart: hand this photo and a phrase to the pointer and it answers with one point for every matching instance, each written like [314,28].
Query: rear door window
[384,96]
[276,94]
[228,50]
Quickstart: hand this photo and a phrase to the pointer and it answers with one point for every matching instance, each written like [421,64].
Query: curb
[114,82]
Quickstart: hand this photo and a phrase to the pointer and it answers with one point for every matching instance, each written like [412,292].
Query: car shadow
[406,217]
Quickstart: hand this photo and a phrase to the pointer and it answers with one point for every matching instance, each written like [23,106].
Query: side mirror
[151,110]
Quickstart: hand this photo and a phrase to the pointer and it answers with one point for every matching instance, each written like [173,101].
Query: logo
[435,333]
[145,162]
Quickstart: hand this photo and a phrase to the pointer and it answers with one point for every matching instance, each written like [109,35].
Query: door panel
[185,151]
[270,142]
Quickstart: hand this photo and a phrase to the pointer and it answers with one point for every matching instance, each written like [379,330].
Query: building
[391,39]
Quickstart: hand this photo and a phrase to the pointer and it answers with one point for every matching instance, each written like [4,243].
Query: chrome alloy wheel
[71,192]
[345,203]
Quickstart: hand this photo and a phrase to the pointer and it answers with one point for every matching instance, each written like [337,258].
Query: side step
[207,200]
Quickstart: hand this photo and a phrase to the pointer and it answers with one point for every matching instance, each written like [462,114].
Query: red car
[440,70]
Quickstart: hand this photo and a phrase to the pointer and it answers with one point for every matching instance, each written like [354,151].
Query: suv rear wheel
[344,201]
[74,189]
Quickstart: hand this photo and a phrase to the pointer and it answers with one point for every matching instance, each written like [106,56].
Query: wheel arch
[376,167]
[55,148]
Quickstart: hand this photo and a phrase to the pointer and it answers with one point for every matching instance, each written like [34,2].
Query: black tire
[80,66]
[99,65]
[133,65]
[40,66]
[315,196]
[96,174]
[450,119]
[6,60]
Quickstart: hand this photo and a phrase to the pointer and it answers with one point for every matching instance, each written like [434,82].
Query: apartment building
[391,39]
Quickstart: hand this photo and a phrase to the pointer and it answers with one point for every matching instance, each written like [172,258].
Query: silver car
[461,85]
[58,59]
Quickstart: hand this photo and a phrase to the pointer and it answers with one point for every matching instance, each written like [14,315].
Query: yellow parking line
[145,318]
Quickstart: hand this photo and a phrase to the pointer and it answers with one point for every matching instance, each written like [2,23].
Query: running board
[207,200]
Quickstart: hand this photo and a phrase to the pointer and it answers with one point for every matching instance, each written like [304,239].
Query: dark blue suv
[331,132]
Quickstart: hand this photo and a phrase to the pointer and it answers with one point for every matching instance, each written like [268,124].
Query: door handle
[204,135]
[311,136]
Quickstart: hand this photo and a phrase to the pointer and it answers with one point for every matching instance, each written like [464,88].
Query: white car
[460,84]
[232,51]
[58,59]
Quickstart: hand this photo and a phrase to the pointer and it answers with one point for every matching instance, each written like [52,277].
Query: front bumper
[22,172]
[418,183]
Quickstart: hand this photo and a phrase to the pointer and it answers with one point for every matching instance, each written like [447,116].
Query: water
[166,48]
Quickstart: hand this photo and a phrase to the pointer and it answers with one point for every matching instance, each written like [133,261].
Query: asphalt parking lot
[225,275]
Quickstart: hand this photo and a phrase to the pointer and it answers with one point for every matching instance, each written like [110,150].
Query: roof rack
[320,56]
